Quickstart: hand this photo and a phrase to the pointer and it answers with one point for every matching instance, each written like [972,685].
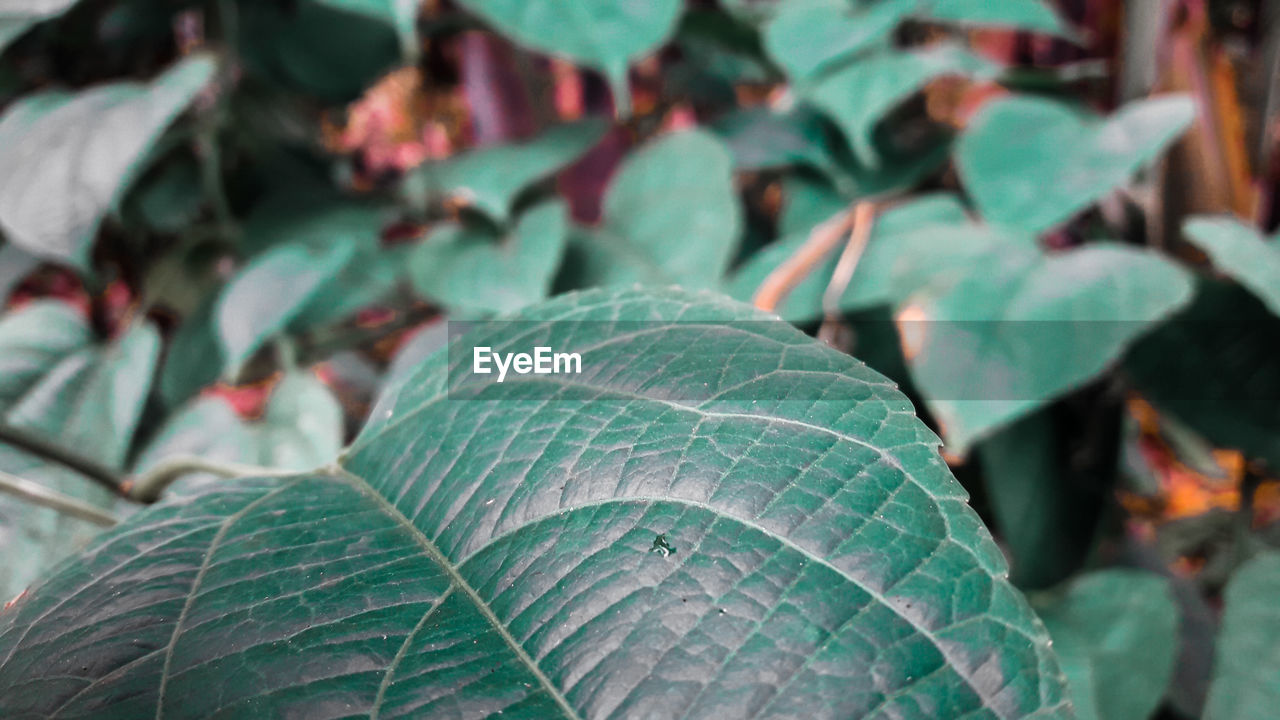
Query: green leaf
[760,138]
[1246,666]
[425,342]
[606,35]
[859,95]
[322,224]
[471,270]
[490,179]
[1116,633]
[1032,15]
[1242,253]
[18,17]
[1013,163]
[66,158]
[32,340]
[301,428]
[809,37]
[269,293]
[1014,329]
[671,216]
[658,539]
[89,399]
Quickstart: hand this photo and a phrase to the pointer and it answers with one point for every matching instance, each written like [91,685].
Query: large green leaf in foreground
[658,536]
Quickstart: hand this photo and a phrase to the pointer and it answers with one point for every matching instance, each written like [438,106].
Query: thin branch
[832,328]
[55,453]
[822,240]
[38,494]
[147,487]
[864,216]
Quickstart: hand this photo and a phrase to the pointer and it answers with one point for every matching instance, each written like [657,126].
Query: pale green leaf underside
[1240,252]
[676,187]
[301,427]
[66,158]
[479,554]
[1009,328]
[61,385]
[1246,665]
[470,270]
[490,179]
[272,290]
[1012,161]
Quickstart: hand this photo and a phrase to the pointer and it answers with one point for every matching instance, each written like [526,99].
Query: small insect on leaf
[660,545]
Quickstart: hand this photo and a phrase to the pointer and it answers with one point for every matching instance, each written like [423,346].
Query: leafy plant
[1011,266]
[527,565]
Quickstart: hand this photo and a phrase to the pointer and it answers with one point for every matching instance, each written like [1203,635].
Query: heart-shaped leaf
[471,270]
[1246,665]
[1033,163]
[677,187]
[1240,252]
[606,35]
[859,95]
[66,159]
[769,534]
[301,427]
[490,179]
[1116,634]
[1015,328]
[269,293]
[85,396]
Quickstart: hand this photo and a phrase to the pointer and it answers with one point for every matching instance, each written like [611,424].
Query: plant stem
[38,494]
[53,452]
[147,487]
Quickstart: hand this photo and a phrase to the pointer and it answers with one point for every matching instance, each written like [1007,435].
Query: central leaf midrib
[457,580]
